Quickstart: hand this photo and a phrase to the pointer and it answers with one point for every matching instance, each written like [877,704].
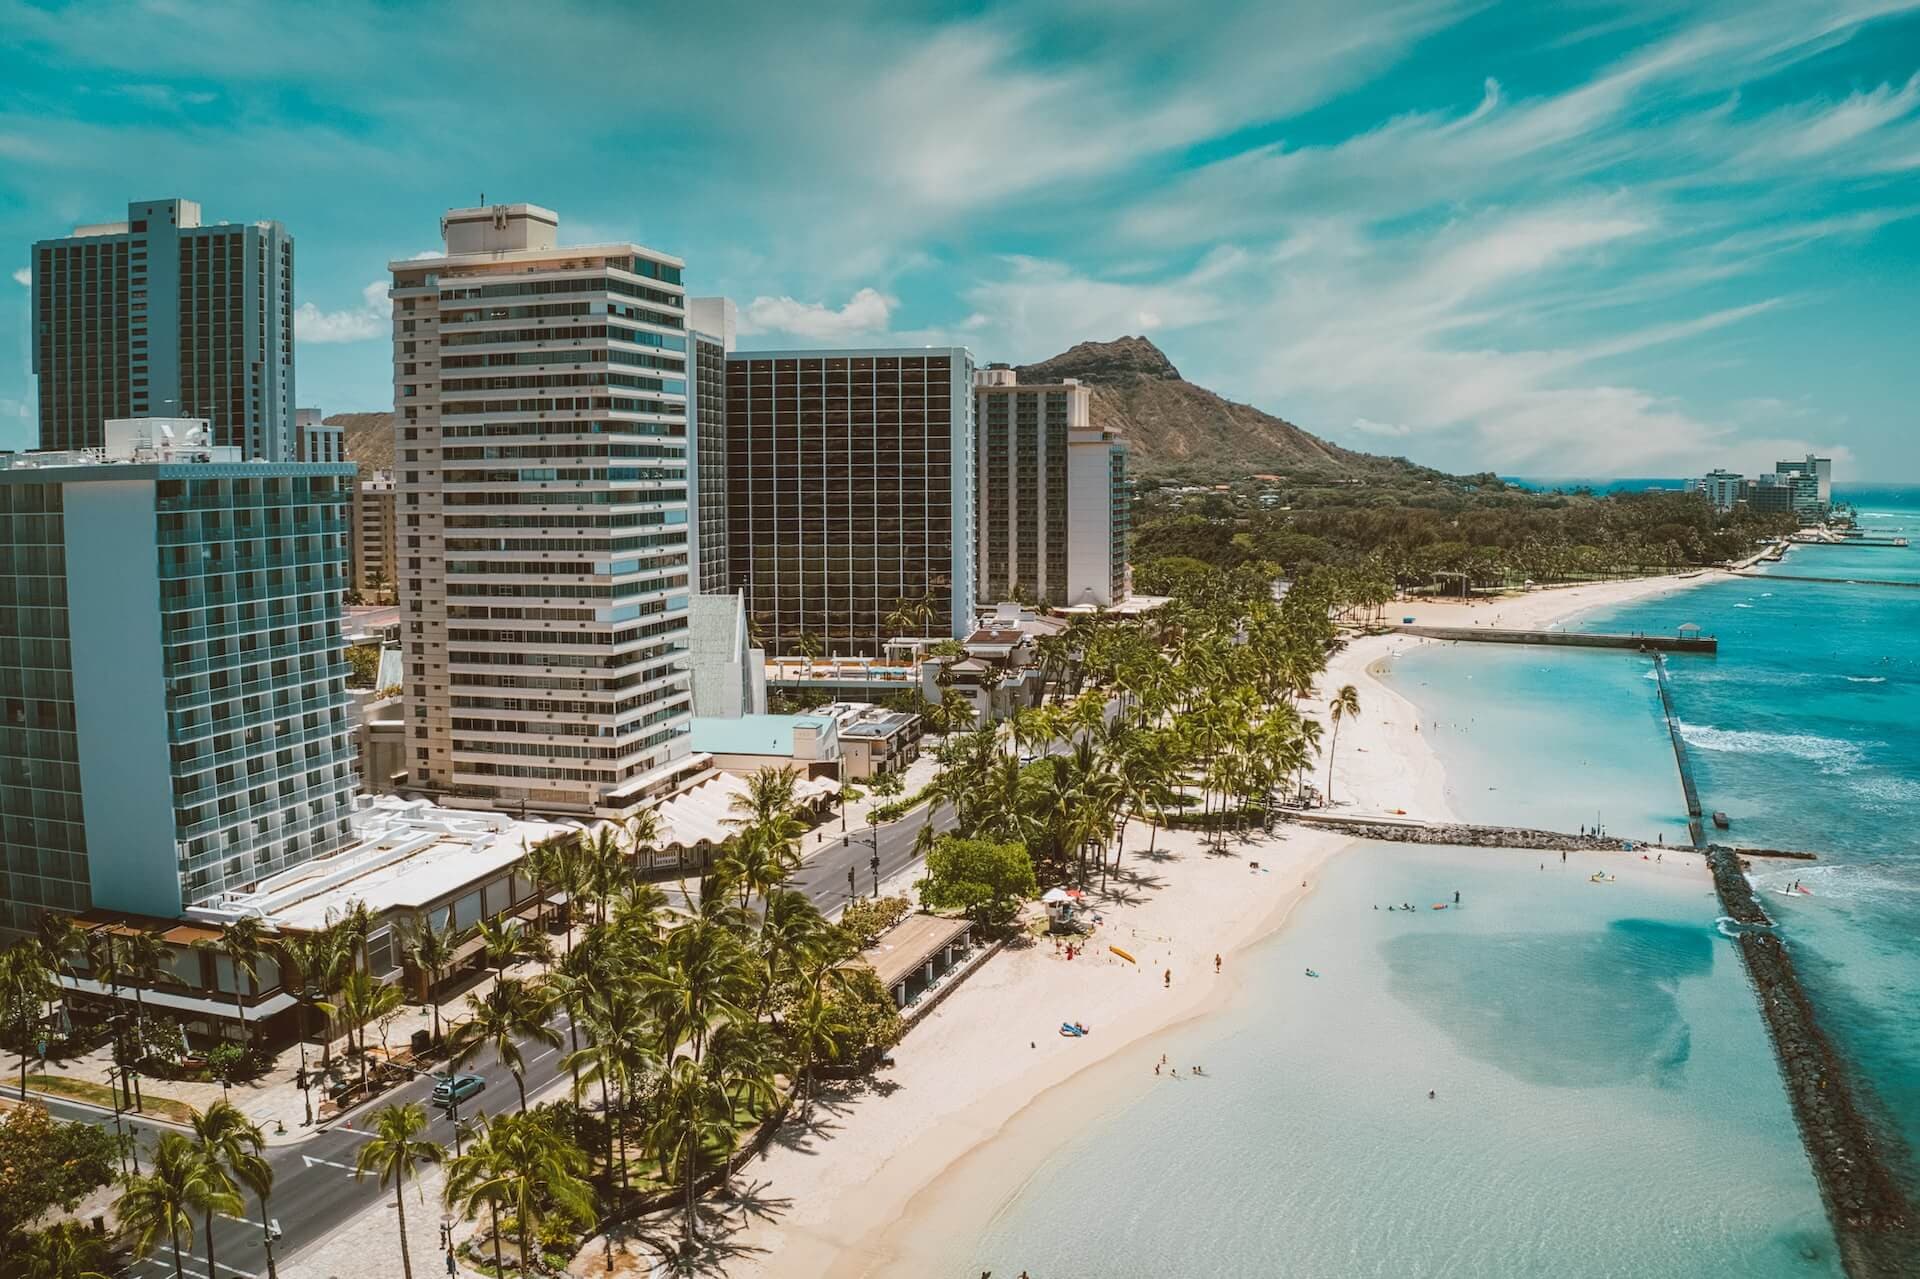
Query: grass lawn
[101,1095]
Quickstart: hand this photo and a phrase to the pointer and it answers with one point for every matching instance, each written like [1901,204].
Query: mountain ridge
[1174,427]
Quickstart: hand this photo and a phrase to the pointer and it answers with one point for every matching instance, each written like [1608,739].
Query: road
[314,1189]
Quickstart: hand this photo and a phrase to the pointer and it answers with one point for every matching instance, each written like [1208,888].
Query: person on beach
[1167,980]
[1156,1068]
[1456,897]
[1216,963]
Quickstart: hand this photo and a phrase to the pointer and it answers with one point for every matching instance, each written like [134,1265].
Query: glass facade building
[160,316]
[707,417]
[850,491]
[542,514]
[1054,500]
[172,682]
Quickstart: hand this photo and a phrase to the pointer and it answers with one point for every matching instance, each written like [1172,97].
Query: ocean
[1605,1099]
[1607,1102]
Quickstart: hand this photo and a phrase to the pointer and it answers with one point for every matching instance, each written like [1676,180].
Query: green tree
[45,1163]
[511,1012]
[362,999]
[396,1152]
[243,944]
[1344,703]
[985,879]
[230,1144]
[64,1250]
[161,1203]
[432,950]
[27,985]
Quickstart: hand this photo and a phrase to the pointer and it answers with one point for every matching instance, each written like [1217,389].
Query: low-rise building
[748,743]
[873,739]
[411,865]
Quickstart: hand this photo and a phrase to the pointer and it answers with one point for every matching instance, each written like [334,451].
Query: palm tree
[62,941]
[432,950]
[230,1145]
[27,986]
[1345,702]
[395,1151]
[478,1176]
[363,998]
[161,1204]
[618,1052]
[145,961]
[644,831]
[816,1023]
[694,1113]
[315,960]
[510,1012]
[701,973]
[507,942]
[243,944]
[535,1169]
[65,1250]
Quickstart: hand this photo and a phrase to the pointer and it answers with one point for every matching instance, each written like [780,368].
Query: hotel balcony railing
[201,761]
[272,620]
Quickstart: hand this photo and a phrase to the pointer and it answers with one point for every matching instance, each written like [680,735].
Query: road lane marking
[310,1162]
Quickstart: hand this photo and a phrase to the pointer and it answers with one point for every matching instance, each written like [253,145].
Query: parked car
[454,1089]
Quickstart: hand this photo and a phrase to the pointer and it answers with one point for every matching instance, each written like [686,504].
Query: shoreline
[935,1184]
[1384,766]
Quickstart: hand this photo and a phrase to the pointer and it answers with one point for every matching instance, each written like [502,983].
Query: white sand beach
[832,1195]
[1384,765]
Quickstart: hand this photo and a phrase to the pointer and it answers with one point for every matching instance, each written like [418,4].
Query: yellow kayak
[1123,954]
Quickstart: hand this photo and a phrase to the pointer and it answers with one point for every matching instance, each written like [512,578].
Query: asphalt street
[314,1187]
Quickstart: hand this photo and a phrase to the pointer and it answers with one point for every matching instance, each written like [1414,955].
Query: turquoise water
[1606,1100]
[1804,729]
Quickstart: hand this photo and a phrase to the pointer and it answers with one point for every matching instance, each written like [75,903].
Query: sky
[1583,238]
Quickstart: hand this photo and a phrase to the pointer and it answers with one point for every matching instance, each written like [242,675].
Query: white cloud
[866,313]
[23,277]
[373,318]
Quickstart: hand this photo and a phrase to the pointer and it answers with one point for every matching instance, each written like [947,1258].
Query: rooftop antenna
[483,199]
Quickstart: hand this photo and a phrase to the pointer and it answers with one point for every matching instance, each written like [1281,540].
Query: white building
[543,549]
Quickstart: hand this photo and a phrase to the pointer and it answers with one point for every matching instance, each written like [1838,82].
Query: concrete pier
[1694,826]
[1566,639]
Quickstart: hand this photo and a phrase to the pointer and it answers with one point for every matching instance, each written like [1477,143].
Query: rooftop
[751,734]
[409,854]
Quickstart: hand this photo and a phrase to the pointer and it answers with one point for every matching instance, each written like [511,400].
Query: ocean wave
[1836,883]
[1743,606]
[1897,794]
[1831,753]
[1866,679]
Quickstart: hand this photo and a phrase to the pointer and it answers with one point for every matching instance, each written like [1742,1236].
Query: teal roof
[751,734]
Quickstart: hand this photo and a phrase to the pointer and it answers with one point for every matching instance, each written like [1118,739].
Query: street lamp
[853,889]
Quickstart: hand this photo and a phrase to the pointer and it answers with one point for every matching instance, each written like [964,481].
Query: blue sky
[1578,238]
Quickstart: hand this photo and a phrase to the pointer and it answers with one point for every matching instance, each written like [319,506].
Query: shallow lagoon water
[1606,1099]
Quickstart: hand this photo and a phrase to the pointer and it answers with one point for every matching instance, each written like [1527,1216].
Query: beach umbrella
[1053,895]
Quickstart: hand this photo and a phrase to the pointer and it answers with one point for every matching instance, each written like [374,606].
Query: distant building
[372,536]
[172,683]
[1052,501]
[710,329]
[544,574]
[850,491]
[1794,492]
[747,743]
[1722,489]
[315,441]
[159,315]
[1820,468]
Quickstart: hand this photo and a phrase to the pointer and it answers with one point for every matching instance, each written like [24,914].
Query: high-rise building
[1053,504]
[850,496]
[161,316]
[710,323]
[173,720]
[372,542]
[1723,489]
[541,392]
[314,440]
[1820,468]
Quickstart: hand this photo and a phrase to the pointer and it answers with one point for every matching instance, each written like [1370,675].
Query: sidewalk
[916,776]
